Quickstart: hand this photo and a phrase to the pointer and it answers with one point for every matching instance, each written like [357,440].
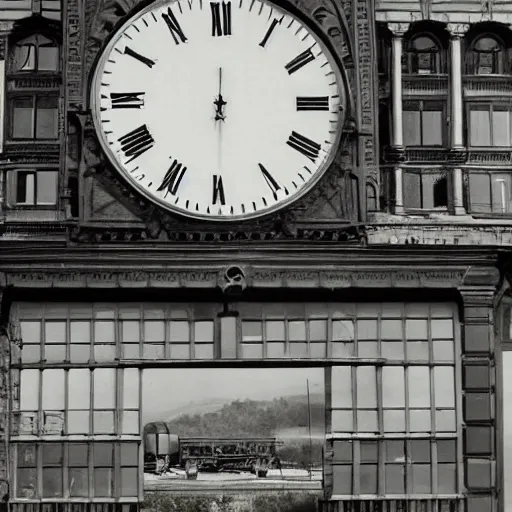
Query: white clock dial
[218,110]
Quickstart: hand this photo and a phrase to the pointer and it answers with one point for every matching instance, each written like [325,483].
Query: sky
[168,390]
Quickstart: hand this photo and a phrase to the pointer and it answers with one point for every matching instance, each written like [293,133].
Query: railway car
[164,450]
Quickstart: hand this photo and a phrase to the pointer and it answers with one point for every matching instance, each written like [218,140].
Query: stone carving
[398,29]
[232,281]
[457,30]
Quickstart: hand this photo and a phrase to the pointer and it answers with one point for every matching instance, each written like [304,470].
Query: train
[165,450]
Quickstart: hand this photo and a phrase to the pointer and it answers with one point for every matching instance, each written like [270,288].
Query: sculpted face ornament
[234,282]
[218,110]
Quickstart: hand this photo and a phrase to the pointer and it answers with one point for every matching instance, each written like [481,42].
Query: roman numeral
[221,25]
[304,145]
[172,178]
[136,142]
[312,103]
[299,61]
[273,25]
[132,53]
[271,182]
[127,99]
[174,26]
[218,190]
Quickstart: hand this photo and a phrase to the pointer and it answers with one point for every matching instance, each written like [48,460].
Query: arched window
[35,53]
[486,56]
[371,198]
[423,55]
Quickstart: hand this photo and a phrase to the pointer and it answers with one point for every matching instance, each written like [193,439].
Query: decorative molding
[457,30]
[398,29]
[254,276]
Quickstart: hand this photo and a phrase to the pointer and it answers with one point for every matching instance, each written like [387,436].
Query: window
[32,187]
[422,55]
[36,53]
[34,117]
[490,125]
[394,424]
[490,192]
[40,467]
[485,56]
[425,189]
[423,123]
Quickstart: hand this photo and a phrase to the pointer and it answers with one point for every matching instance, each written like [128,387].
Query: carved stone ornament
[333,200]
[457,30]
[398,29]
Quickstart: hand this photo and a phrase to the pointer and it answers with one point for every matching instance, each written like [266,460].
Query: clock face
[218,110]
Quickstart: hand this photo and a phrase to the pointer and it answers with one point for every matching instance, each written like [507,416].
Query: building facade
[390,276]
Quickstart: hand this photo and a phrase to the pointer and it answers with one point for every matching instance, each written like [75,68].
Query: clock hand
[219,101]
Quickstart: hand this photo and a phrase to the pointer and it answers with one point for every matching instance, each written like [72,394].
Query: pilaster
[479,400]
[397,141]
[457,31]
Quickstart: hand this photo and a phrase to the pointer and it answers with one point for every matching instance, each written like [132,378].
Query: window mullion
[34,115]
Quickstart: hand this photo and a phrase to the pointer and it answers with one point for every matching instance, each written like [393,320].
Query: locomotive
[164,450]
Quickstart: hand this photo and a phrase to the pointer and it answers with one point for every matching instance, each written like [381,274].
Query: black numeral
[312,102]
[132,53]
[271,182]
[218,190]
[299,61]
[273,25]
[172,178]
[136,142]
[304,145]
[127,99]
[221,24]
[174,26]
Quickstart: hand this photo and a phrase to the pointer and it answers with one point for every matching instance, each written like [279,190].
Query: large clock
[218,110]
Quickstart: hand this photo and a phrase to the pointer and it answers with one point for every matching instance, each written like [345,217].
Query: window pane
[391,329]
[29,386]
[341,386]
[79,353]
[252,331]
[442,328]
[103,479]
[131,331]
[420,481]
[367,421]
[417,350]
[443,350]
[275,330]
[419,386]
[368,475]
[129,454]
[342,451]
[432,128]
[343,330]
[78,482]
[501,127]
[342,421]
[180,331]
[104,388]
[367,329]
[366,386]
[52,482]
[444,386]
[154,330]
[204,351]
[77,454]
[48,58]
[394,451]
[103,422]
[480,192]
[80,332]
[435,190]
[103,454]
[26,480]
[446,478]
[393,386]
[78,422]
[419,420]
[342,479]
[79,388]
[53,390]
[47,187]
[25,55]
[30,332]
[252,350]
[203,331]
[412,129]
[394,420]
[104,332]
[412,190]
[129,482]
[445,420]
[501,193]
[367,349]
[130,422]
[55,332]
[480,123]
[297,330]
[318,330]
[27,455]
[46,119]
[416,329]
[22,118]
[130,388]
[395,479]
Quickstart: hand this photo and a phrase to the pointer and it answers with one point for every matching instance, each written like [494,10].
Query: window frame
[411,55]
[45,72]
[472,56]
[489,173]
[34,96]
[445,173]
[11,187]
[420,103]
[502,106]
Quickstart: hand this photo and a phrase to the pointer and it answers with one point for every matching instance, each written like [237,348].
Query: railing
[485,85]
[434,85]
[395,505]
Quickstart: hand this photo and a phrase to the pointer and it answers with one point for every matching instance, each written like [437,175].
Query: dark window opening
[34,117]
[425,189]
[422,56]
[423,123]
